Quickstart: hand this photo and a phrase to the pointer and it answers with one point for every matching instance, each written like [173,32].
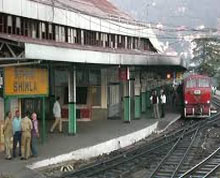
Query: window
[48,31]
[203,83]
[81,97]
[191,83]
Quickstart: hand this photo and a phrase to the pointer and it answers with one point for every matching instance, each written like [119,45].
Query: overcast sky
[196,14]
[178,12]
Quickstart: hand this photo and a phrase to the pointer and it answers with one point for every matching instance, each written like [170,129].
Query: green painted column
[137,104]
[148,104]
[143,102]
[6,104]
[52,98]
[43,132]
[127,105]
[72,101]
[72,118]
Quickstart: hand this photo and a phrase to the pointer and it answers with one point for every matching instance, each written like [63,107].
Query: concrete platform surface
[93,138]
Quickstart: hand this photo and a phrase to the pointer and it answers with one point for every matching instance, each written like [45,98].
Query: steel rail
[127,158]
[216,101]
[131,154]
[167,155]
[185,155]
[200,126]
[124,160]
[193,169]
[156,170]
[157,144]
[212,171]
[141,153]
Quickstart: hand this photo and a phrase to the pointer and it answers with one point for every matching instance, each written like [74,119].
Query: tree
[207,56]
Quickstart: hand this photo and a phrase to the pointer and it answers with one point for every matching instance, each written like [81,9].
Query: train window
[191,83]
[203,83]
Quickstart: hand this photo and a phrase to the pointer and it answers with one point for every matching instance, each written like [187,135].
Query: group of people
[24,131]
[156,101]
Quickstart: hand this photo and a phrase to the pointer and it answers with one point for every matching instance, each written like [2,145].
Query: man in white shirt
[163,102]
[57,115]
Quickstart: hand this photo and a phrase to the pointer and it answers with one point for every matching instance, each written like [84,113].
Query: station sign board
[23,81]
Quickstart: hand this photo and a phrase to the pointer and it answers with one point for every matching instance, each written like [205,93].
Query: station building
[99,60]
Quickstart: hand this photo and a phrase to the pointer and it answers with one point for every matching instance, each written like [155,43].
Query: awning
[53,53]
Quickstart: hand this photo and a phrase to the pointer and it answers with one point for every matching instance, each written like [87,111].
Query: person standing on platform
[34,135]
[151,103]
[8,133]
[57,115]
[16,124]
[163,103]
[155,101]
[26,127]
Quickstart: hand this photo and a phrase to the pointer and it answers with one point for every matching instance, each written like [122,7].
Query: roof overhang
[53,53]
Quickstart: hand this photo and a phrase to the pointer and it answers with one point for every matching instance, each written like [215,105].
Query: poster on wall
[23,81]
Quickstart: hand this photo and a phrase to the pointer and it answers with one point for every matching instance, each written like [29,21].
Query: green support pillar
[137,114]
[72,101]
[52,98]
[6,104]
[127,105]
[143,102]
[43,132]
[148,104]
[72,118]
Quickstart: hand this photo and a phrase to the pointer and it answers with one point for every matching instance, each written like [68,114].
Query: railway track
[118,166]
[180,158]
[216,101]
[206,167]
[169,152]
[171,163]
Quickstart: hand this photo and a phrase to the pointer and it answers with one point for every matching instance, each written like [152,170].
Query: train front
[197,96]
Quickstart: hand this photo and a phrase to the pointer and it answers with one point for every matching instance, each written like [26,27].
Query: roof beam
[20,64]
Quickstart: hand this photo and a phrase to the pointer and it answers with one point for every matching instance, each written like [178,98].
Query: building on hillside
[99,60]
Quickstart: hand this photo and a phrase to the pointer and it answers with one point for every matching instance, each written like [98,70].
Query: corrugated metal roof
[102,8]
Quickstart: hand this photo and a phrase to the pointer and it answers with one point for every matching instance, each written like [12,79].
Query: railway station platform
[93,139]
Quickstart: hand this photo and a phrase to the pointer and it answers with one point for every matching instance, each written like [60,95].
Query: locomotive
[197,96]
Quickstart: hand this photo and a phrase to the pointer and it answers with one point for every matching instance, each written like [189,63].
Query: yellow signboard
[25,81]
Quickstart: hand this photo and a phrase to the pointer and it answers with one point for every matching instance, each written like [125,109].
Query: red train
[197,96]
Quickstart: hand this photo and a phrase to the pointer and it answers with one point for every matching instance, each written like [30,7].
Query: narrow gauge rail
[216,101]
[173,165]
[205,168]
[113,165]
[123,164]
